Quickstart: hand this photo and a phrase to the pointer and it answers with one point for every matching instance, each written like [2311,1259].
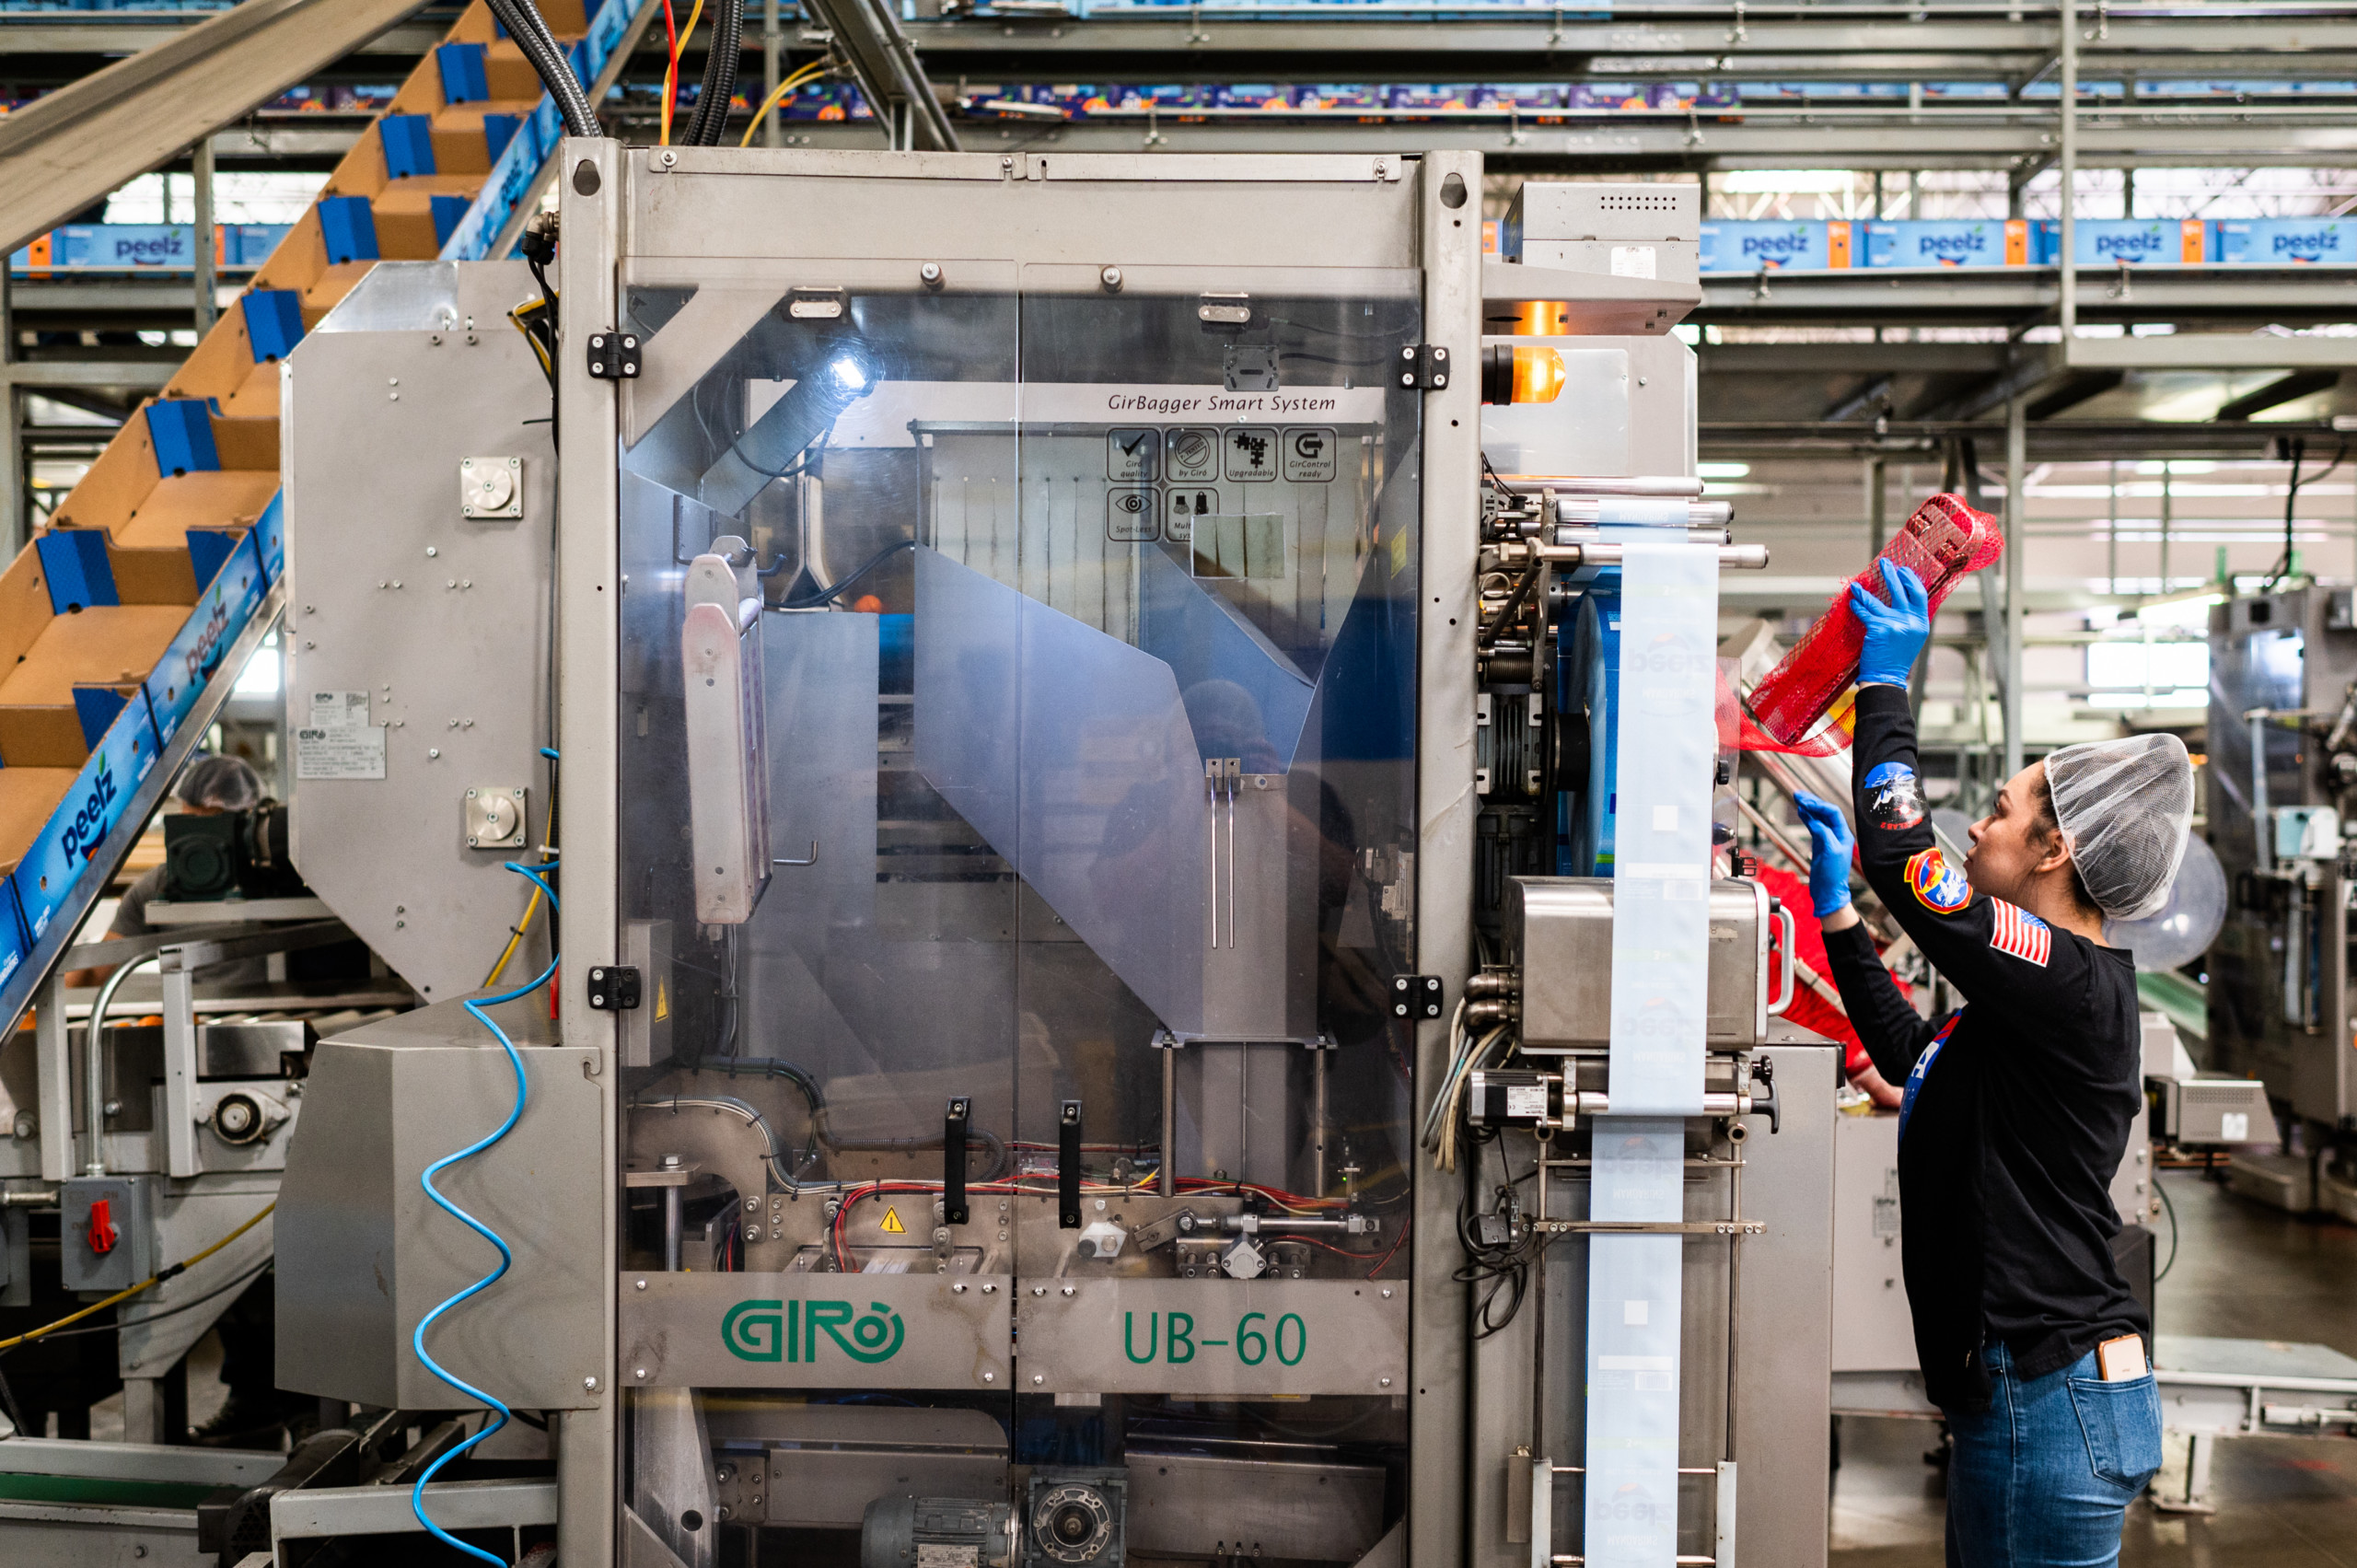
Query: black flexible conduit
[719,85]
[531,30]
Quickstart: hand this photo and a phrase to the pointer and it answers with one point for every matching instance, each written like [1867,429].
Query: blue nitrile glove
[1894,632]
[1830,847]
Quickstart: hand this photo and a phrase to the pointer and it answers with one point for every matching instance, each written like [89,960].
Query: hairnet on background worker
[2124,808]
[224,783]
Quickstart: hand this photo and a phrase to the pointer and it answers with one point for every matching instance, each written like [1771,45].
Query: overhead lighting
[773,444]
[1797,181]
[1722,471]
[2175,607]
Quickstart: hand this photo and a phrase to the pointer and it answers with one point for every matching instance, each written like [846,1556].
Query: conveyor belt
[122,613]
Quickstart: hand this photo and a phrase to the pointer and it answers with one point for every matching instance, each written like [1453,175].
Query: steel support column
[208,304]
[2016,541]
[1450,254]
[16,498]
[2068,109]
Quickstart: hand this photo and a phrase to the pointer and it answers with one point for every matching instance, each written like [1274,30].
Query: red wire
[1395,1247]
[671,53]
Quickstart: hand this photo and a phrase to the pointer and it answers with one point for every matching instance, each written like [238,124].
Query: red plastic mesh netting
[1803,704]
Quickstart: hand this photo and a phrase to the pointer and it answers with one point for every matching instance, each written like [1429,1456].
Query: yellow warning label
[892,1226]
[662,1002]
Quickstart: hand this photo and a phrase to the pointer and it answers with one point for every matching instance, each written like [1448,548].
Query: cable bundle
[1442,1117]
[525,23]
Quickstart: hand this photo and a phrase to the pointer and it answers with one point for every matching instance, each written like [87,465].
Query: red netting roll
[1942,543]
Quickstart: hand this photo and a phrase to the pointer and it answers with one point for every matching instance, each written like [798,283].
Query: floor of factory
[2242,1272]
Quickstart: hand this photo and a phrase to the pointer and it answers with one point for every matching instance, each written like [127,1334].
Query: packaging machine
[1144,967]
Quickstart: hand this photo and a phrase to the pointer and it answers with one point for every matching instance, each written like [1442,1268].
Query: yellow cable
[516,933]
[783,88]
[672,76]
[514,937]
[150,1283]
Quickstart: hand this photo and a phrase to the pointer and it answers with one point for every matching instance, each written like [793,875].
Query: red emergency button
[102,1233]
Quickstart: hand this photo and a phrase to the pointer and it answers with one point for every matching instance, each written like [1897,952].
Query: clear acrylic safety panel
[1088,665]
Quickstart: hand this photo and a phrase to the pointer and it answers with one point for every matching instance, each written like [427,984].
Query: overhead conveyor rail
[131,614]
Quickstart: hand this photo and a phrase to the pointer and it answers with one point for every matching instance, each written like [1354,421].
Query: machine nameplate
[800,1330]
[1214,1337]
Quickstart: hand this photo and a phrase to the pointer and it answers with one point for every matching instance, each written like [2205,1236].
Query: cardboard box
[2281,242]
[1753,247]
[43,722]
[1969,242]
[2108,242]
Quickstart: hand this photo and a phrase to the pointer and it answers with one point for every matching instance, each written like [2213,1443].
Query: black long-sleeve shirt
[2018,1106]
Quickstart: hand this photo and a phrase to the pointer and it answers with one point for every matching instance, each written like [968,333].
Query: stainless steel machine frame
[1108,223]
[631,1147]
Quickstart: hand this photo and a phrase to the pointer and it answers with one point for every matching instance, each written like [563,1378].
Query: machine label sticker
[1251,454]
[1309,456]
[1937,886]
[340,753]
[1132,517]
[1132,456]
[788,1330]
[1172,1336]
[339,710]
[2020,933]
[1190,455]
[1526,1099]
[892,1226]
[1894,798]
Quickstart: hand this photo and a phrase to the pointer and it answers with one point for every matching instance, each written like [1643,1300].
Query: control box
[107,1231]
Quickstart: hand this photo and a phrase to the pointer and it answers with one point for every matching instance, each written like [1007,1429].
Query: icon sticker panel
[1187,504]
[1193,455]
[1132,517]
[1310,455]
[1251,453]
[1132,456]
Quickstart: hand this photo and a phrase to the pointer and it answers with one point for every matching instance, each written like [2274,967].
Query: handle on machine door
[1780,1000]
[1068,1166]
[953,1162]
[1764,1101]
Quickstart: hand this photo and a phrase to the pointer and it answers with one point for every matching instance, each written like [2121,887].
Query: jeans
[2042,1478]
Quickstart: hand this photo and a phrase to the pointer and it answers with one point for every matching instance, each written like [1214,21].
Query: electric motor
[937,1532]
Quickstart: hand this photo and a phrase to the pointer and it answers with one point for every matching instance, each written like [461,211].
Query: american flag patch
[2020,933]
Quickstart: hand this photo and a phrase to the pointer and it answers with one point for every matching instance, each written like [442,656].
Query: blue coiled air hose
[506,1258]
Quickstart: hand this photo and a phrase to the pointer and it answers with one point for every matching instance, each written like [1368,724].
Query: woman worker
[2017,1107]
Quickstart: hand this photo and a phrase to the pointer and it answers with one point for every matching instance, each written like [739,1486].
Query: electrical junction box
[107,1232]
[1624,230]
[2217,1111]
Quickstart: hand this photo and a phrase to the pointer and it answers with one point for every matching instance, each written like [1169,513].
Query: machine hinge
[1415,996]
[1423,366]
[613,990]
[613,356]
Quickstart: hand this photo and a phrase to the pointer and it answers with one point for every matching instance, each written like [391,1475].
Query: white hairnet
[2124,807]
[227,783]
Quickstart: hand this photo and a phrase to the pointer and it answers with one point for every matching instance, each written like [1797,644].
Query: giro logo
[789,1331]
